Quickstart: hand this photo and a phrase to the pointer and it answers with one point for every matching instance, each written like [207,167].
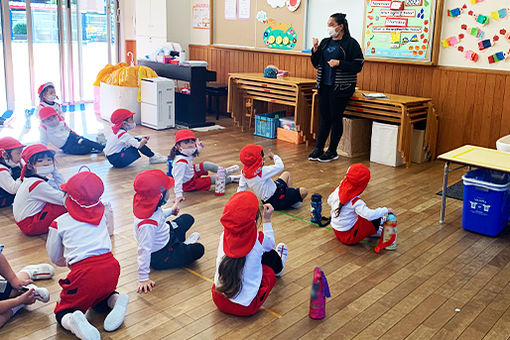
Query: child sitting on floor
[162,244]
[246,265]
[189,176]
[48,96]
[79,239]
[39,199]
[54,130]
[351,219]
[10,169]
[123,149]
[259,178]
[17,290]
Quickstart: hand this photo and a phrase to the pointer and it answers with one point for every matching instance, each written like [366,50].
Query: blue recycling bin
[486,201]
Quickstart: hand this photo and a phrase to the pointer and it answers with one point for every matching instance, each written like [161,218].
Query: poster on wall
[231,9]
[201,16]
[401,30]
[244,9]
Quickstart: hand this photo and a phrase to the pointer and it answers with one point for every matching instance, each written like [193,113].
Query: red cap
[239,226]
[47,112]
[9,143]
[354,183]
[149,185]
[118,117]
[251,157]
[83,202]
[28,152]
[43,86]
[183,135]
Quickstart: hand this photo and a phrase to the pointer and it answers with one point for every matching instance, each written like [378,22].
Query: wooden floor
[412,292]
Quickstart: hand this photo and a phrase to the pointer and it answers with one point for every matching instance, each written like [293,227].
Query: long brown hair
[230,272]
[337,210]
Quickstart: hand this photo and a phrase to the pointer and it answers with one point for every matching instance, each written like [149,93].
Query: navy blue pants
[128,156]
[78,145]
[177,254]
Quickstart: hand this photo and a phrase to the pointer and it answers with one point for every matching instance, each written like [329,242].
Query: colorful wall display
[401,30]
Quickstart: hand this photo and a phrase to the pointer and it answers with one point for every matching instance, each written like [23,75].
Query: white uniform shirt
[34,193]
[7,182]
[151,234]
[252,271]
[350,212]
[70,241]
[264,187]
[183,170]
[56,106]
[55,135]
[120,141]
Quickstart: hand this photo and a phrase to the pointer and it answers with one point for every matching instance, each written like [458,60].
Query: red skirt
[229,307]
[361,230]
[198,183]
[90,281]
[40,223]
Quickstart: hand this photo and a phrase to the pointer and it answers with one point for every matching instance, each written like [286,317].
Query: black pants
[332,107]
[78,145]
[6,198]
[177,254]
[273,260]
[128,156]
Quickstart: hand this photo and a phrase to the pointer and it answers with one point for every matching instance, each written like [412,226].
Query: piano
[190,109]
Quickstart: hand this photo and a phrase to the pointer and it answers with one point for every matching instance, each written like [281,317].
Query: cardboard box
[289,136]
[355,139]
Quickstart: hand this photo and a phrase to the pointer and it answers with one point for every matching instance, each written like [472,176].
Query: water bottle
[170,165]
[219,189]
[319,293]
[388,239]
[316,208]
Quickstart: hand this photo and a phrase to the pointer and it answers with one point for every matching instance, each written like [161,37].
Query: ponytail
[337,211]
[340,19]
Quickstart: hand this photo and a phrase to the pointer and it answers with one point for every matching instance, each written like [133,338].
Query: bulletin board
[277,25]
[401,31]
[476,34]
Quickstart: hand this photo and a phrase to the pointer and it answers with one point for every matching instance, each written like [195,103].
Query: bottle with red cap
[219,189]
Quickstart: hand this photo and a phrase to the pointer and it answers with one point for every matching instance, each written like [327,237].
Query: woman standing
[338,59]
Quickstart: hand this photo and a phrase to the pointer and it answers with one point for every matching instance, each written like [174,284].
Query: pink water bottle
[320,291]
[219,188]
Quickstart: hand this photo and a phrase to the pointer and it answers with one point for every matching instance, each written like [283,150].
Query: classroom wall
[179,22]
[470,103]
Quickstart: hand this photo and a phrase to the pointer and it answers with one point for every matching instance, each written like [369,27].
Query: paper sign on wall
[201,16]
[244,9]
[230,9]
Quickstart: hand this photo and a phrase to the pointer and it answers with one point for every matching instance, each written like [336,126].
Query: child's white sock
[296,205]
[40,271]
[16,309]
[283,251]
[233,179]
[41,293]
[118,303]
[78,324]
[232,169]
[193,238]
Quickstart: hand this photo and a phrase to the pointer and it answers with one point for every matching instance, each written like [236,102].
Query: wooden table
[291,91]
[402,110]
[472,156]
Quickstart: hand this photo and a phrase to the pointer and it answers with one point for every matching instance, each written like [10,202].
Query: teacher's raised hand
[315,44]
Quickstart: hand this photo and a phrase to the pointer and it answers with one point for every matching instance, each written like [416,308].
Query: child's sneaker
[41,271]
[235,179]
[232,169]
[41,294]
[82,328]
[116,316]
[157,158]
[283,251]
[378,233]
[296,205]
[193,238]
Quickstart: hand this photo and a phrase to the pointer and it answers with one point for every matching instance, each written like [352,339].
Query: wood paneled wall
[471,104]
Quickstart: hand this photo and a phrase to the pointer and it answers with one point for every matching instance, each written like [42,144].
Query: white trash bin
[114,97]
[503,144]
[384,142]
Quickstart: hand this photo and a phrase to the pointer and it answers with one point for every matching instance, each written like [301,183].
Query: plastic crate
[266,124]
[486,201]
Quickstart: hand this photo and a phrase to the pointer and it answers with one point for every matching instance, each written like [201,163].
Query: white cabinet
[151,26]
[157,103]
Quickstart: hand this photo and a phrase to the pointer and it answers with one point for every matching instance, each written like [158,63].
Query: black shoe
[316,153]
[328,156]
